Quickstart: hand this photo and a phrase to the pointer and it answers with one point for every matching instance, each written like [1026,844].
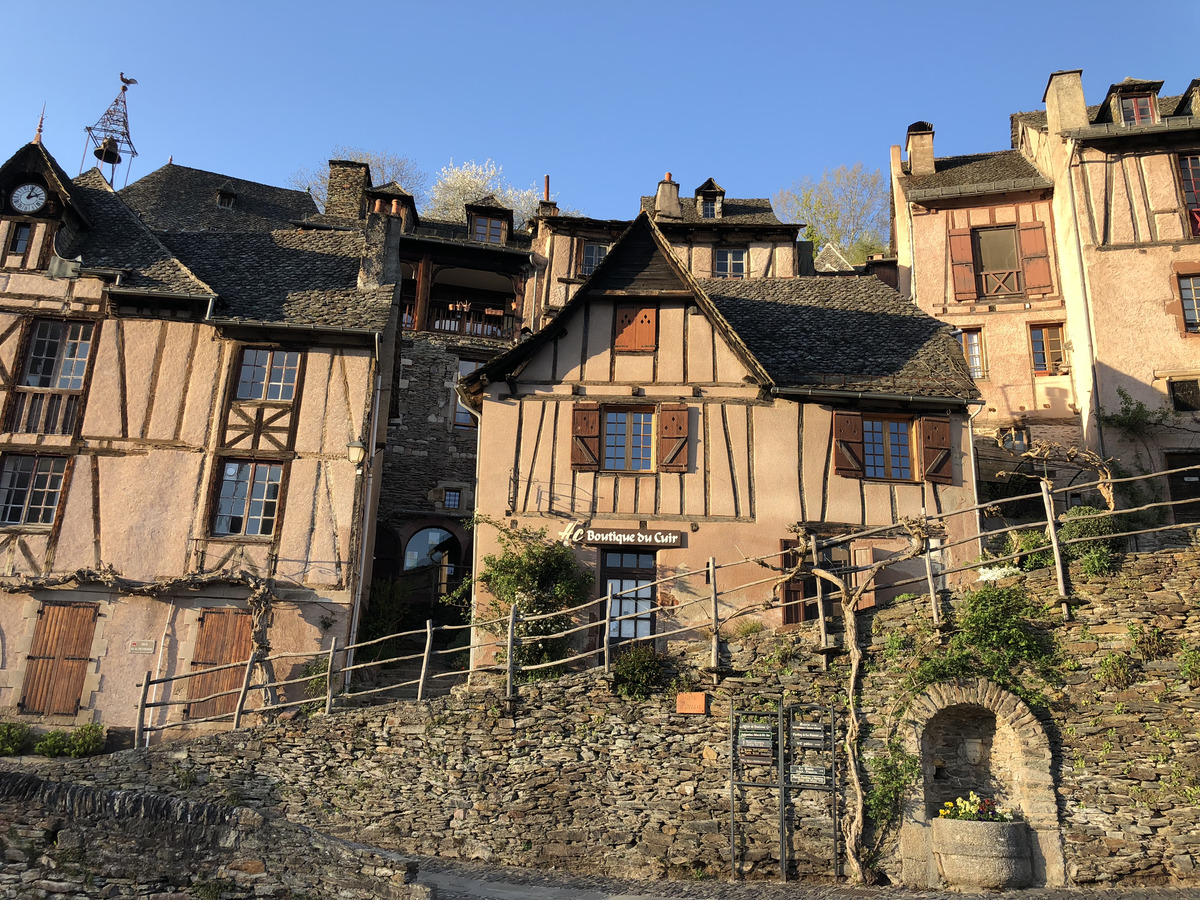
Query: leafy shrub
[87,740]
[14,737]
[53,743]
[1115,671]
[318,679]
[1030,542]
[1097,561]
[1148,643]
[637,672]
[891,777]
[1189,664]
[1073,526]
[748,627]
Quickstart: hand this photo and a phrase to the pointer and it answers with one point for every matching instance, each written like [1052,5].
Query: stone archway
[974,735]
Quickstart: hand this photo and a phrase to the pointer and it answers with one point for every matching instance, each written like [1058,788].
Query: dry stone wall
[574,777]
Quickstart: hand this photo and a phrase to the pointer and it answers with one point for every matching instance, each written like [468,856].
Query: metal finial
[37,138]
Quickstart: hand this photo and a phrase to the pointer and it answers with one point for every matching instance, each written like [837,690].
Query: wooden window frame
[57,407]
[599,251]
[1012,281]
[931,450]
[1015,438]
[277,360]
[1189,180]
[637,573]
[1187,293]
[888,451]
[43,467]
[648,432]
[487,229]
[724,254]
[463,420]
[1179,401]
[708,209]
[800,593]
[980,371]
[1051,365]
[221,476]
[20,232]
[1033,275]
[1150,116]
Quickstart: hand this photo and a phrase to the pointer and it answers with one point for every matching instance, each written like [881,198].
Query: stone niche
[974,736]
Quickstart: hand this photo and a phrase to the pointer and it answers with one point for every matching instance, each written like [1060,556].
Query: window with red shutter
[637,328]
[962,264]
[936,459]
[848,444]
[58,659]
[673,437]
[585,437]
[1035,257]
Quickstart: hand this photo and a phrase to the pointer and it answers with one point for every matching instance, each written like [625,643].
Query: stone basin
[982,854]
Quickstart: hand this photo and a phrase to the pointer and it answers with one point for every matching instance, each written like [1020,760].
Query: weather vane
[109,137]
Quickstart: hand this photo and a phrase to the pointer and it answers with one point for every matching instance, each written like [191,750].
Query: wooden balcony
[469,319]
[43,411]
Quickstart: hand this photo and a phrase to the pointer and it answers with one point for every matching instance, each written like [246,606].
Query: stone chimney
[347,182]
[666,201]
[919,147]
[1065,107]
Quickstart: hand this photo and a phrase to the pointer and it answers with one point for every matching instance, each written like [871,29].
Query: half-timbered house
[189,387]
[712,416]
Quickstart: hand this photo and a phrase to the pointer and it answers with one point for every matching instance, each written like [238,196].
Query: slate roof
[518,239]
[734,211]
[1167,107]
[842,332]
[179,198]
[976,173]
[831,259]
[289,276]
[117,239]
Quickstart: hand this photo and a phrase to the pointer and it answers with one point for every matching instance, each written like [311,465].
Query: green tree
[847,206]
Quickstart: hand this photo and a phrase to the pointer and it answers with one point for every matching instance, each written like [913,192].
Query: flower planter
[982,854]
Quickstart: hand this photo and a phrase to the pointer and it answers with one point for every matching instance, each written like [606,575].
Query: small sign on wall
[691,703]
[141,646]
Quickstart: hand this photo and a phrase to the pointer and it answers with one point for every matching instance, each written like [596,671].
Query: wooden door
[58,659]
[1184,486]
[224,637]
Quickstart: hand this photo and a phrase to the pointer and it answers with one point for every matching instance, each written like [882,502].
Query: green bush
[1098,561]
[1075,527]
[1189,664]
[1115,671]
[891,777]
[87,740]
[1026,541]
[53,743]
[14,737]
[637,672]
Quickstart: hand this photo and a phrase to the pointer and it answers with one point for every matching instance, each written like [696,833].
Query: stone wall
[574,777]
[70,840]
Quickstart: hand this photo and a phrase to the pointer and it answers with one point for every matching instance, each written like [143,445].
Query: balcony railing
[42,411]
[1001,283]
[470,319]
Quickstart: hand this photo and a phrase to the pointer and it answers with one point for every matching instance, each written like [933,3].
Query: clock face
[28,198]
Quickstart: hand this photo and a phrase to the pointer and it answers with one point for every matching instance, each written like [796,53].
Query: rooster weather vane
[109,137]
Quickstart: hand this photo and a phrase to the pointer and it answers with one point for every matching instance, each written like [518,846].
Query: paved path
[471,881]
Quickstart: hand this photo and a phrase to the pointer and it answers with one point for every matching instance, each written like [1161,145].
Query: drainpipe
[1089,332]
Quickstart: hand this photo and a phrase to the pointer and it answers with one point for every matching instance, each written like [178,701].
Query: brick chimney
[666,201]
[919,147]
[347,182]
[1065,106]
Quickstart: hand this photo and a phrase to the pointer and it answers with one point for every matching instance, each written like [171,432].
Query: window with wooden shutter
[59,658]
[937,462]
[637,328]
[1035,256]
[962,263]
[673,437]
[864,557]
[223,645]
[800,592]
[585,437]
[848,444]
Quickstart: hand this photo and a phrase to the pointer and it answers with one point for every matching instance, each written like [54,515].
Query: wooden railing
[43,411]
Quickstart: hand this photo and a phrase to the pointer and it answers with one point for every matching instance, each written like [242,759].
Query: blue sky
[604,97]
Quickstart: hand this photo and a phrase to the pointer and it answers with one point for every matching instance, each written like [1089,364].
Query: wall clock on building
[28,198]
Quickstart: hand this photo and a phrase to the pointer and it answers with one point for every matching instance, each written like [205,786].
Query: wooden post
[241,701]
[425,659]
[607,629]
[716,614]
[512,634]
[329,678]
[933,598]
[821,624]
[140,731]
[1052,531]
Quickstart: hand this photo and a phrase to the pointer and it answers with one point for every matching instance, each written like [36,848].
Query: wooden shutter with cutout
[962,264]
[59,658]
[848,444]
[637,328]
[937,462]
[585,437]
[1035,257]
[673,437]
[223,638]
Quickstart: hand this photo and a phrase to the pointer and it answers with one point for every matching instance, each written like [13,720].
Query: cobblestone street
[470,881]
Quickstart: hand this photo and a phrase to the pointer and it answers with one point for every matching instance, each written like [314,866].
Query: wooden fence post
[425,659]
[607,628]
[241,701]
[716,613]
[329,678]
[140,731]
[512,635]
[1052,531]
[821,624]
[933,597]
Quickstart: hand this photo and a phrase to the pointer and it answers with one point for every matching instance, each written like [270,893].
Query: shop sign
[579,533]
[815,775]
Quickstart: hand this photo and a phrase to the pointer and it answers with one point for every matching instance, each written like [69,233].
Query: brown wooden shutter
[59,658]
[647,328]
[673,437]
[1035,257]
[585,437]
[962,262]
[864,557]
[637,328]
[937,462]
[224,637]
[848,444]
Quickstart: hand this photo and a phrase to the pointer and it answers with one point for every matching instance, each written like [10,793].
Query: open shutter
[937,461]
[1035,258]
[585,437]
[962,262]
[224,637]
[673,437]
[58,659]
[848,444]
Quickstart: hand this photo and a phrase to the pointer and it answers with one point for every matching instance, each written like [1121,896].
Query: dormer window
[488,230]
[1137,109]
[225,199]
[708,209]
